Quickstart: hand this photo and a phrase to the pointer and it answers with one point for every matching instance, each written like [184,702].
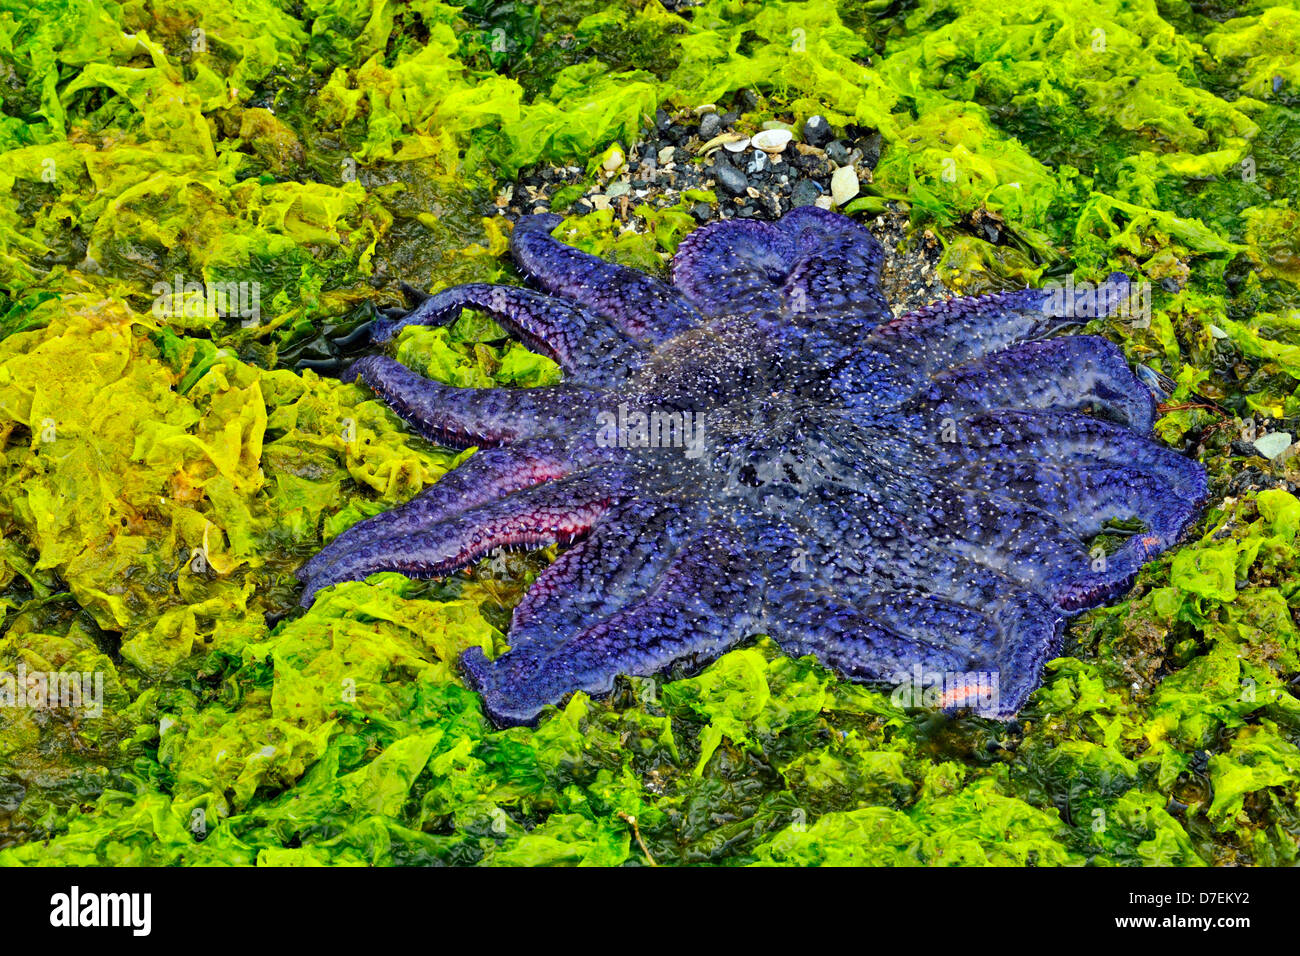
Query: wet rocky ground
[755,172]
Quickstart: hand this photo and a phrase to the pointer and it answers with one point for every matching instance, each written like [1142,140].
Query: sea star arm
[811,264]
[1158,486]
[905,598]
[697,607]
[462,417]
[616,564]
[917,641]
[488,475]
[641,306]
[1066,437]
[1084,497]
[534,517]
[1029,545]
[586,346]
[1073,372]
[944,334]
[845,638]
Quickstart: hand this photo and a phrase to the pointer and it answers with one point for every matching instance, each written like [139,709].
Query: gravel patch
[711,149]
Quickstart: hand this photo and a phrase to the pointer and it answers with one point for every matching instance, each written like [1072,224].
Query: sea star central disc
[760,447]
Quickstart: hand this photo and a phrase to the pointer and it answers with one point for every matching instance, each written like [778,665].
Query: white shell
[738,146]
[773,140]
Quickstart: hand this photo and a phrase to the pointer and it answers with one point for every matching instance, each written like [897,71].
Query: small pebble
[805,193]
[666,155]
[817,131]
[614,160]
[617,189]
[823,202]
[844,185]
[871,145]
[710,126]
[729,177]
[837,152]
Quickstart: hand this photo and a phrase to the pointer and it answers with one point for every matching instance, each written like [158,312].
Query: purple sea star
[760,447]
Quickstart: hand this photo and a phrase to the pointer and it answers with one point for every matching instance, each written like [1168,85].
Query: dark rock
[729,177]
[817,131]
[871,145]
[837,152]
[805,193]
[1251,479]
[807,163]
[710,126]
[1170,284]
[701,211]
[729,118]
[987,227]
[748,100]
[1238,271]
[662,119]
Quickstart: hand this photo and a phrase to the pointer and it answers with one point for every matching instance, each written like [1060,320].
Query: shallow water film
[207,211]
